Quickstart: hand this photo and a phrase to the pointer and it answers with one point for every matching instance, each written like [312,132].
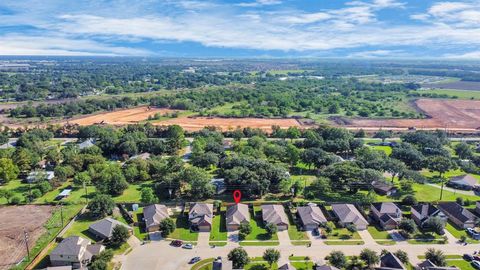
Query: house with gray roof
[383,188]
[287,266]
[325,267]
[201,216]
[103,229]
[154,214]
[236,215]
[466,182]
[429,265]
[387,214]
[86,144]
[458,214]
[311,216]
[389,262]
[424,211]
[74,251]
[275,214]
[349,214]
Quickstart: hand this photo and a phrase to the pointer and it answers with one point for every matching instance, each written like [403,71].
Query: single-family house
[287,266]
[311,216]
[466,182]
[37,176]
[349,214]
[429,265]
[387,214]
[154,214]
[457,214]
[424,211]
[143,156]
[103,229]
[390,261]
[74,251]
[275,214]
[219,184]
[64,194]
[236,215]
[383,188]
[201,216]
[86,144]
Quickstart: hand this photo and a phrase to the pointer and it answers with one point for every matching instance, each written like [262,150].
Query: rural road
[159,255]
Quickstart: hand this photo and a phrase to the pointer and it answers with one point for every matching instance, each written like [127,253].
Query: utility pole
[61,213]
[86,193]
[25,238]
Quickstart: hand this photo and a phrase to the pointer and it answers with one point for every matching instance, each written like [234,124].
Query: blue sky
[243,28]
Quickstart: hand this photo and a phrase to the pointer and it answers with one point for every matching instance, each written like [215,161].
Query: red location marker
[237,195]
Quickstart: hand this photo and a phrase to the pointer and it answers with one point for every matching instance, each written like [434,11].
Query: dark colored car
[176,243]
[315,232]
[467,257]
[194,260]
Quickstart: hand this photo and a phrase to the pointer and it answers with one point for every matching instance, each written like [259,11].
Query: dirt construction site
[139,114]
[455,115]
[13,221]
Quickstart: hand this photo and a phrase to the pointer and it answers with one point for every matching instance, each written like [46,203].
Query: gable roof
[382,186]
[287,266]
[464,180]
[326,267]
[274,213]
[386,208]
[457,211]
[71,246]
[237,213]
[391,261]
[425,210]
[104,227]
[154,214]
[201,213]
[348,213]
[311,214]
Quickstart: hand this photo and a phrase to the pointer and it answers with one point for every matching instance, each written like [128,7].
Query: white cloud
[52,45]
[475,55]
[259,3]
[379,54]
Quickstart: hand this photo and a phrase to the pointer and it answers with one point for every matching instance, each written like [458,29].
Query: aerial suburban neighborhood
[240,134]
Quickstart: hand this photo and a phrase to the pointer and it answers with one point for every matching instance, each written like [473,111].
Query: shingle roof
[457,211]
[466,180]
[237,213]
[71,246]
[201,212]
[154,214]
[311,214]
[380,185]
[348,213]
[287,266]
[386,208]
[325,267]
[104,227]
[391,261]
[274,213]
[425,210]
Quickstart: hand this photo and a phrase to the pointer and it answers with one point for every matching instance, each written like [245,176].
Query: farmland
[451,114]
[459,85]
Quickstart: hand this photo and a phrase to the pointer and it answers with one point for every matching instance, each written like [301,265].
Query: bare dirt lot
[197,123]
[13,220]
[135,115]
[120,117]
[462,115]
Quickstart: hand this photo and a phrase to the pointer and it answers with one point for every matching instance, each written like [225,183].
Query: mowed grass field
[461,94]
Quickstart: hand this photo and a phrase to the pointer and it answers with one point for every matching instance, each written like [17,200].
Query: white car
[188,246]
[476,264]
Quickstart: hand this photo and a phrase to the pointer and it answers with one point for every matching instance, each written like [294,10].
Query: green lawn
[344,243]
[462,264]
[80,227]
[258,231]
[132,193]
[302,265]
[182,232]
[219,228]
[295,234]
[260,266]
[342,234]
[203,264]
[426,193]
[461,94]
[378,233]
[386,149]
[139,230]
[427,238]
[260,243]
[458,233]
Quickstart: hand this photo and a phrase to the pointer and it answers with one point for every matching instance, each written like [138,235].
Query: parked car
[468,257]
[176,243]
[476,258]
[473,233]
[188,246]
[194,260]
[476,264]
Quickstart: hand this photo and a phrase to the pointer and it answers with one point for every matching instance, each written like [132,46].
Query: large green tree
[8,170]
